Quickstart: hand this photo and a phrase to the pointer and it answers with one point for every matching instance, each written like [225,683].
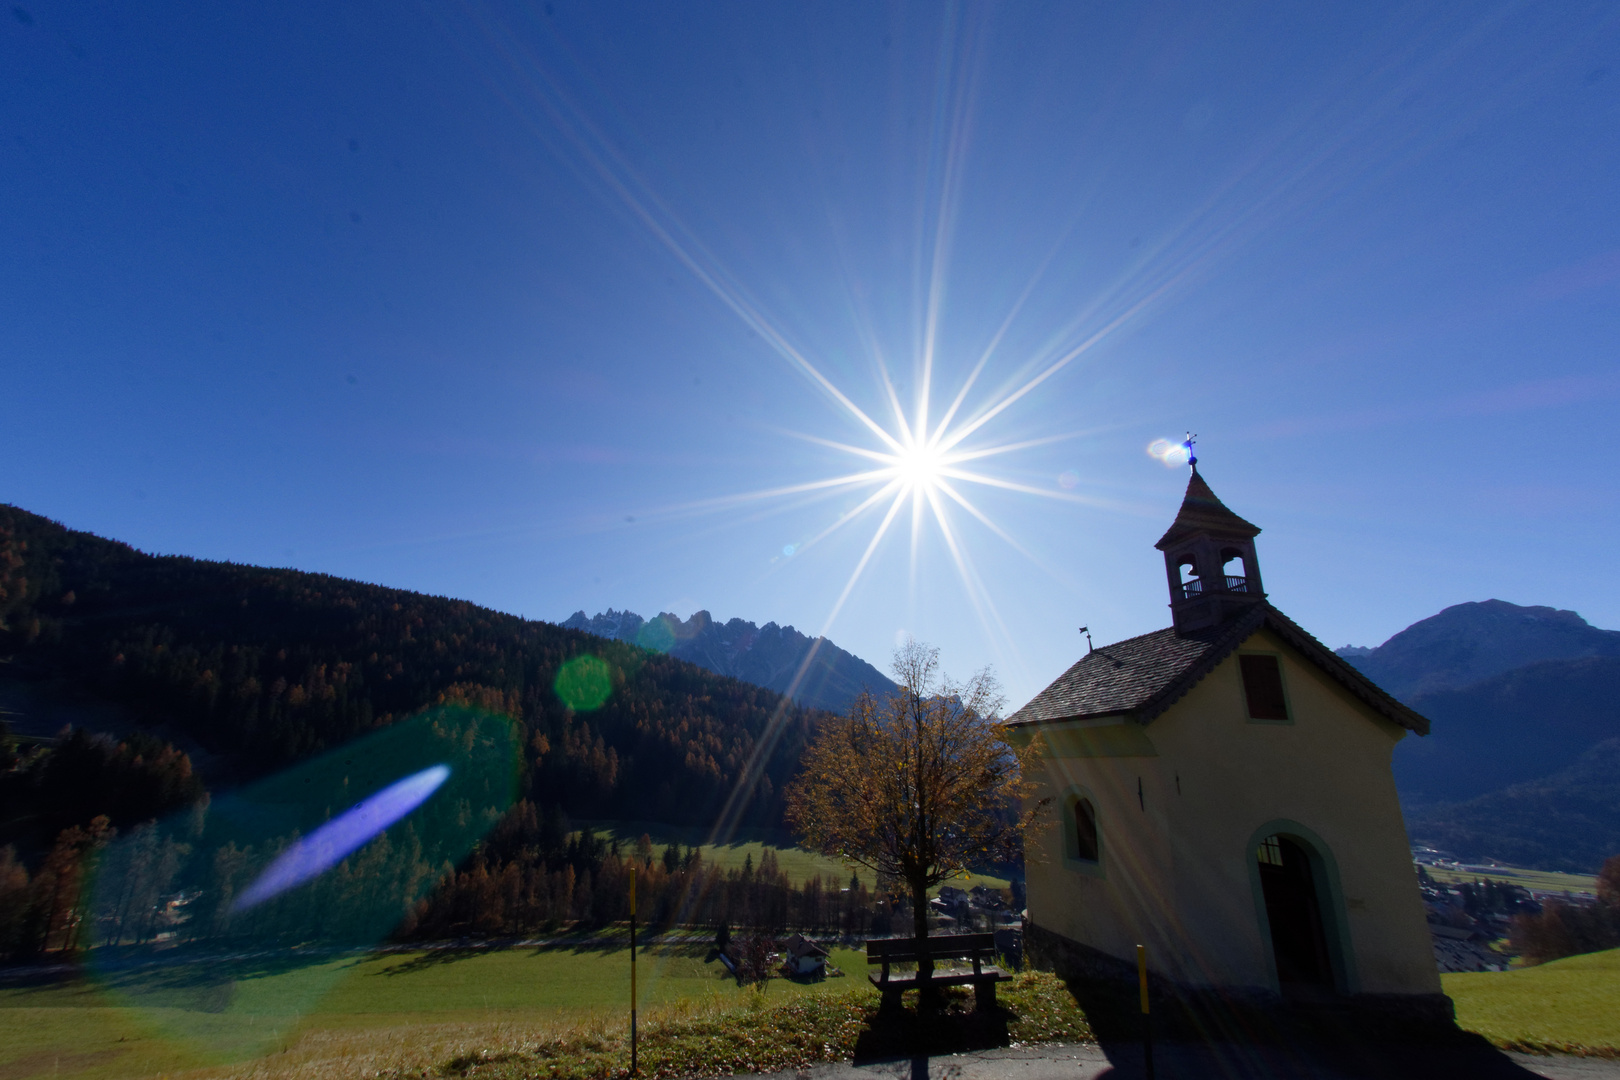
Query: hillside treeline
[177,883]
[590,886]
[266,667]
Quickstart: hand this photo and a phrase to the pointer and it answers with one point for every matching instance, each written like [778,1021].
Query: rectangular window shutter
[1262,683]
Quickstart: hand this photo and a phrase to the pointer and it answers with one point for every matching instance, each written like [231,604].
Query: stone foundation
[1107,986]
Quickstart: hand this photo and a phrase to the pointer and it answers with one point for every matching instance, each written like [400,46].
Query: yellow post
[632,971]
[1141,969]
[1147,1022]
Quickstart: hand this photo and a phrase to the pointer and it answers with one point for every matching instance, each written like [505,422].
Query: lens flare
[585,682]
[342,836]
[1172,453]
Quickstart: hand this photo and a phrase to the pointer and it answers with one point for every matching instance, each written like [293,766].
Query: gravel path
[1223,1062]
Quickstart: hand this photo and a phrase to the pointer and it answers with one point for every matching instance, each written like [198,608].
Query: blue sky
[511,303]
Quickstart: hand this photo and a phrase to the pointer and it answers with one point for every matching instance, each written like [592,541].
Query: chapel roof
[1200,512]
[1141,677]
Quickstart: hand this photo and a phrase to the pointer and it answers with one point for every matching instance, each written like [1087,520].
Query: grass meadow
[353,1014]
[559,1010]
[1568,1006]
[562,1010]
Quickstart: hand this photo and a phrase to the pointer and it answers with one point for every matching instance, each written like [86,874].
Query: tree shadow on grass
[196,967]
[186,978]
[954,1027]
[432,958]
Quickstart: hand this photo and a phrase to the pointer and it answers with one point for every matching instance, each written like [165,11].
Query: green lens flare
[164,930]
[656,634]
[584,683]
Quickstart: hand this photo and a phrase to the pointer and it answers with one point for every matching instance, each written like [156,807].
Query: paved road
[1224,1062]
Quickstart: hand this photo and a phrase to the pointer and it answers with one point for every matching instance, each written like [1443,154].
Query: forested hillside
[264,667]
[1567,821]
[1511,728]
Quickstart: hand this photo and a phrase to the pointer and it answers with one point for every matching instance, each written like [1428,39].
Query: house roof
[1202,512]
[798,945]
[1141,677]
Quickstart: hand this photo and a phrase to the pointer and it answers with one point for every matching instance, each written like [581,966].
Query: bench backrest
[943,947]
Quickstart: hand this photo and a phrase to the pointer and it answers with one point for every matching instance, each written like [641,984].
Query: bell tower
[1209,559]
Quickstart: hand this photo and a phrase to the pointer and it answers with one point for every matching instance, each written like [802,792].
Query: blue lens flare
[343,835]
[1171,453]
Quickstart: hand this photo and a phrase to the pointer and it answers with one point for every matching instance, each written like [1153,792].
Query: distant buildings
[803,958]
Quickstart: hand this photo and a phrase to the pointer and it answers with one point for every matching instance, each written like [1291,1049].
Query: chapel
[1225,798]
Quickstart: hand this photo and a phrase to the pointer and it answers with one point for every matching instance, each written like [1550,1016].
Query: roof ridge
[1231,634]
[1353,678]
[1142,677]
[1126,641]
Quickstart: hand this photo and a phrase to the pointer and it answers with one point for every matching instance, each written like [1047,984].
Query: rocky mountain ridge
[1467,643]
[771,656]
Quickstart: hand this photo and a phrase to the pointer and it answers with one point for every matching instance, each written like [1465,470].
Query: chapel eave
[1164,666]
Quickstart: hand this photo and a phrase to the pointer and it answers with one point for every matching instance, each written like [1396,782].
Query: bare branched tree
[918,787]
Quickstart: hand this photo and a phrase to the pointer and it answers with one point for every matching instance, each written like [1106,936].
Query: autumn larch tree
[918,787]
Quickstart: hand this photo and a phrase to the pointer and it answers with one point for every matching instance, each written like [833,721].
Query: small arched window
[1085,830]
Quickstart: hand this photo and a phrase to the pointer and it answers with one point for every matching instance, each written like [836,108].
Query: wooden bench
[978,949]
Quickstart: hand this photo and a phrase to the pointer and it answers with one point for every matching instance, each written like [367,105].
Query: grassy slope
[146,1023]
[410,1010]
[355,1015]
[1569,1005]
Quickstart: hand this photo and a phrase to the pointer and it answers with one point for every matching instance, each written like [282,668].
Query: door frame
[1329,902]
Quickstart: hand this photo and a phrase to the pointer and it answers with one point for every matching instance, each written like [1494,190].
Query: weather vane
[1192,458]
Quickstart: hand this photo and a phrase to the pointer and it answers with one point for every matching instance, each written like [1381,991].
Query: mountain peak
[1466,643]
[769,655]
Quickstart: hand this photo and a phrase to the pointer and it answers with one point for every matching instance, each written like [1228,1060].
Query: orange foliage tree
[919,787]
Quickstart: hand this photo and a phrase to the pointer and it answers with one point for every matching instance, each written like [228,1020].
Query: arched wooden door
[1294,912]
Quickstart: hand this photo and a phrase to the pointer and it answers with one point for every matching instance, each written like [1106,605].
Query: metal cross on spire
[1192,458]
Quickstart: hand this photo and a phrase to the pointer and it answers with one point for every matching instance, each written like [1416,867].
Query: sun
[921,467]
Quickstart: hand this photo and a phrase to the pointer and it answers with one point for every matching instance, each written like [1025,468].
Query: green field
[342,1015]
[345,1015]
[733,852]
[1569,1005]
[354,1015]
[1541,880]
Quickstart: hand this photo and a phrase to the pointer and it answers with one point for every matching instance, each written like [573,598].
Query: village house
[1225,798]
[803,958]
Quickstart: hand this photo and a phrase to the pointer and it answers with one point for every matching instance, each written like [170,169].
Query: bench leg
[984,995]
[891,999]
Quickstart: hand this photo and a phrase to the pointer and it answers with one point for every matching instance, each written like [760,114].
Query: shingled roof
[1141,677]
[1202,512]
